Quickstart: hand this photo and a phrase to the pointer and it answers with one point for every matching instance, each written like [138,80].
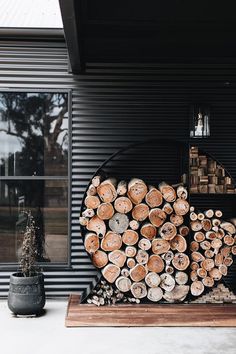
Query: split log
[123,284]
[119,223]
[139,290]
[197,288]
[157,217]
[180,261]
[181,278]
[97,225]
[167,282]
[111,242]
[105,211]
[229,227]
[177,220]
[111,272]
[181,206]
[155,294]
[122,188]
[130,251]
[123,205]
[134,224]
[167,208]
[196,225]
[160,246]
[117,257]
[99,259]
[155,264]
[206,224]
[178,294]
[130,237]
[154,198]
[92,202]
[184,230]
[140,212]
[144,244]
[178,243]
[168,192]
[182,192]
[208,282]
[107,190]
[142,257]
[91,243]
[130,263]
[199,236]
[91,190]
[88,213]
[152,280]
[168,231]
[137,190]
[138,273]
[148,231]
[194,246]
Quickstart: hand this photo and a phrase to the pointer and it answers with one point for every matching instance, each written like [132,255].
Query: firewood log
[99,259]
[105,211]
[155,264]
[177,220]
[107,190]
[83,221]
[154,198]
[194,246]
[119,223]
[220,233]
[160,246]
[223,269]
[199,236]
[122,188]
[169,269]
[193,275]
[152,280]
[137,190]
[111,272]
[208,282]
[130,237]
[183,230]
[216,222]
[218,259]
[209,213]
[215,274]
[125,272]
[200,216]
[97,225]
[168,192]
[181,206]
[201,272]
[91,190]
[209,254]
[181,278]
[168,231]
[234,250]
[97,180]
[123,205]
[218,213]
[142,257]
[140,212]
[194,265]
[88,213]
[144,244]
[228,240]
[130,251]
[178,243]
[157,217]
[138,273]
[139,290]
[196,225]
[117,257]
[193,216]
[197,257]
[191,209]
[206,224]
[123,284]
[216,243]
[168,256]
[210,235]
[167,282]
[111,242]
[205,245]
[130,263]
[92,202]
[91,242]
[148,231]
[134,224]
[225,251]
[180,261]
[155,294]
[197,288]
[178,294]
[229,227]
[167,208]
[228,261]
[182,192]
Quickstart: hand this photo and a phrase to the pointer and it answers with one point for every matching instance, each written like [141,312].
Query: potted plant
[26,293]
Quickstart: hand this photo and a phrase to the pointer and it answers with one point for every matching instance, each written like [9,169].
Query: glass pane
[48,201]
[33,134]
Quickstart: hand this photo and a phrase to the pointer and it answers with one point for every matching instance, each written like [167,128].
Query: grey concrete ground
[48,334]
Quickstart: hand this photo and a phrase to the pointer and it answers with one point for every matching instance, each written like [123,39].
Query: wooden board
[149,315]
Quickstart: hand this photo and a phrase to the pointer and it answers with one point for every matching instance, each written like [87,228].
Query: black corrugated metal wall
[112,106]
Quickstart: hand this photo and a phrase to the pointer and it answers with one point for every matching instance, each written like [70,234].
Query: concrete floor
[47,334]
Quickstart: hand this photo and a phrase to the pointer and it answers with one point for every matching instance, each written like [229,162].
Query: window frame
[11,266]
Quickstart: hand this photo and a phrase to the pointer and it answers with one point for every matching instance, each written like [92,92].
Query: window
[34,150]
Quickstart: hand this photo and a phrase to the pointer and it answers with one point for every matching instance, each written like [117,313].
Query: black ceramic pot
[26,294]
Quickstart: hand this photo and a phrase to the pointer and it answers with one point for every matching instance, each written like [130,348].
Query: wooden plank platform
[148,315]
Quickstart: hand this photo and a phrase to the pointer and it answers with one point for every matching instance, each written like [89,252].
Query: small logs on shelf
[211,249]
[136,234]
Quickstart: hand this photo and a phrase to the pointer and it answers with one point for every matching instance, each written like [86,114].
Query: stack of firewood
[137,236]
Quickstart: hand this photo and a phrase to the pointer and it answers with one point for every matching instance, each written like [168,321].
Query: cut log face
[140,212]
[181,207]
[168,231]
[148,231]
[168,192]
[99,259]
[123,284]
[197,288]
[157,217]
[138,273]
[111,273]
[119,223]
[122,188]
[92,202]
[180,261]
[181,278]
[178,294]
[111,242]
[107,190]
[167,282]
[152,280]
[154,198]
[130,251]
[130,237]
[131,263]
[91,243]
[97,225]
[177,220]
[155,264]
[134,224]
[167,208]
[160,246]
[155,294]
[105,211]
[178,243]
[142,257]
[123,205]
[144,244]
[137,190]
[139,290]
[184,230]
[208,282]
[117,257]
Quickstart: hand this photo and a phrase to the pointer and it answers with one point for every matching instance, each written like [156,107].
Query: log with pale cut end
[215,274]
[197,288]
[201,272]
[168,231]
[137,190]
[178,243]
[193,216]
[144,244]
[134,224]
[206,224]
[216,243]
[210,235]
[139,290]
[154,198]
[117,257]
[155,294]
[218,259]
[142,257]
[196,225]
[225,251]
[181,278]
[208,282]
[105,211]
[228,240]
[92,202]
[88,213]
[130,263]
[107,190]
[218,213]
[169,269]
[191,209]
[216,222]
[152,280]
[234,250]
[97,225]
[111,242]
[140,212]
[215,228]
[97,180]
[123,284]
[119,223]
[83,221]
[168,256]
[182,192]
[228,226]
[194,265]
[178,294]
[197,257]
[181,206]
[228,261]
[184,230]
[199,236]
[193,275]
[99,259]
[111,272]
[123,205]
[177,220]
[168,192]
[167,208]
[130,237]
[138,272]
[160,246]
[205,245]
[209,213]
[223,269]
[122,188]
[180,261]
[209,254]
[148,231]
[125,272]
[91,190]
[91,242]
[130,251]
[194,246]
[157,217]
[200,216]
[167,282]
[155,264]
